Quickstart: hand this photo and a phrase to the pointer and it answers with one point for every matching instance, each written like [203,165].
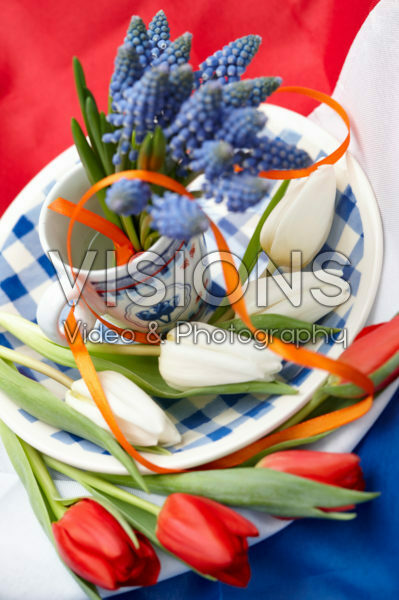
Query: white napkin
[367,88]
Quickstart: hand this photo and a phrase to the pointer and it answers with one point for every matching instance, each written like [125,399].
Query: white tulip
[302,219]
[141,420]
[318,294]
[203,355]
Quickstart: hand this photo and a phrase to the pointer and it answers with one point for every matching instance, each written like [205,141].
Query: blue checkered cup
[153,291]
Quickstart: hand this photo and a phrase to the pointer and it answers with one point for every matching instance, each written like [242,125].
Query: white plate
[211,427]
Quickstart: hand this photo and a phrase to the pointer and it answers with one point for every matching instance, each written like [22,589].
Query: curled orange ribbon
[288,351]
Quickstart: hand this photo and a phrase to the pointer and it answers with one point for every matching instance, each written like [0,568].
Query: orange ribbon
[233,289]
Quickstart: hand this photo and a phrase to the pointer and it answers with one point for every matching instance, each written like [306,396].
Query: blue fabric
[314,560]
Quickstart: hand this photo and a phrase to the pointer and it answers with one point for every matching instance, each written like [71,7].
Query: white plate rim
[373,255]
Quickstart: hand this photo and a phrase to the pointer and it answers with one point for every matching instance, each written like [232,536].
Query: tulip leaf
[142,370]
[37,400]
[251,255]
[349,390]
[24,471]
[280,325]
[283,446]
[277,493]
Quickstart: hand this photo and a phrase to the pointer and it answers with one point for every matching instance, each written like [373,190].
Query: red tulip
[342,470]
[94,545]
[208,536]
[373,348]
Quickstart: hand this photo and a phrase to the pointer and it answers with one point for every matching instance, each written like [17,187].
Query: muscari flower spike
[140,108]
[241,127]
[240,191]
[180,86]
[229,64]
[177,53]
[177,216]
[250,92]
[198,119]
[216,159]
[158,34]
[128,197]
[275,154]
[137,37]
[128,70]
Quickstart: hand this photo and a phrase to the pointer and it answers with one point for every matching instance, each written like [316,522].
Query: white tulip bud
[302,219]
[141,420]
[198,354]
[311,298]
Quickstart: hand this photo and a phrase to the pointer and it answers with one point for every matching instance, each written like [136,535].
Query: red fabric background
[304,41]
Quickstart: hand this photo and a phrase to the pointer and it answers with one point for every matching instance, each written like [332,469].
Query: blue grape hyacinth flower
[177,216]
[158,34]
[128,70]
[128,197]
[241,127]
[240,191]
[180,86]
[177,53]
[229,64]
[198,119]
[250,92]
[137,37]
[216,159]
[275,154]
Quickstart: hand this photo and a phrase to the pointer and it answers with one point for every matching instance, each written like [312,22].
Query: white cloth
[367,88]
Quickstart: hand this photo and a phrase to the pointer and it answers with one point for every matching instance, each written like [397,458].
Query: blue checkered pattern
[26,271]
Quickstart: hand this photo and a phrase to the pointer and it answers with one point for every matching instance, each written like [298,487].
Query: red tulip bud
[208,536]
[94,545]
[342,470]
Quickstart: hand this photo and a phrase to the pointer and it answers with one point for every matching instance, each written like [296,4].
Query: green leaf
[24,471]
[109,148]
[145,153]
[45,406]
[283,446]
[93,168]
[275,492]
[349,390]
[251,254]
[93,117]
[142,370]
[158,150]
[279,325]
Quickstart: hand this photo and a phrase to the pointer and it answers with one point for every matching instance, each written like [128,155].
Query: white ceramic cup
[155,286]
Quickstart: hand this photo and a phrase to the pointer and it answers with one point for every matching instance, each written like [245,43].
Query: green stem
[44,479]
[318,397]
[131,232]
[99,484]
[36,365]
[124,350]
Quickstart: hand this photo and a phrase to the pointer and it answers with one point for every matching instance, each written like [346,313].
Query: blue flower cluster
[128,70]
[241,127]
[275,154]
[197,120]
[128,196]
[216,159]
[177,53]
[207,131]
[240,191]
[158,33]
[250,92]
[230,63]
[137,37]
[177,216]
